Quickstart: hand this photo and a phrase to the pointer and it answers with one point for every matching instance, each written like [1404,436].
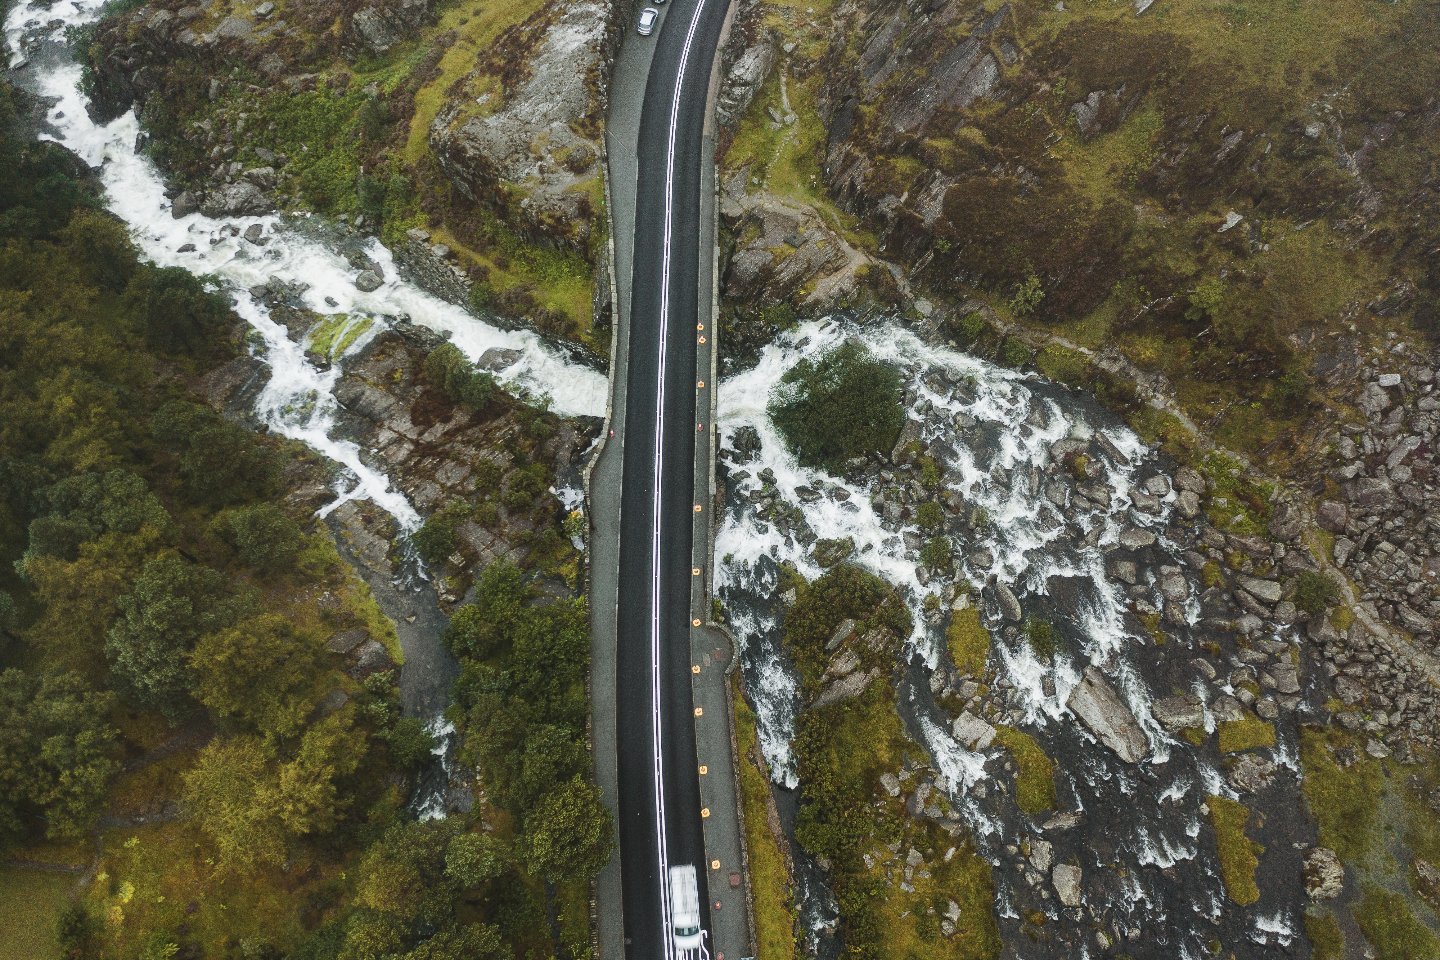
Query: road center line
[659,480]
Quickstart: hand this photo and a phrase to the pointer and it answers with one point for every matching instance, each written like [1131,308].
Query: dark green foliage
[263,536]
[474,859]
[1315,592]
[522,690]
[478,629]
[1042,637]
[937,553]
[171,605]
[178,313]
[411,743]
[220,463]
[450,370]
[57,755]
[437,537]
[844,592]
[568,833]
[845,404]
[930,516]
[75,932]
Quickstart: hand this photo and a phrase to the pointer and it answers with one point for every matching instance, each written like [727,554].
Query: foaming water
[1043,493]
[298,400]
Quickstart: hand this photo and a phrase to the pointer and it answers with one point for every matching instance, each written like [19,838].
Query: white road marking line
[659,481]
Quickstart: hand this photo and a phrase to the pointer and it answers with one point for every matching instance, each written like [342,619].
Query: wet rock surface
[1165,631]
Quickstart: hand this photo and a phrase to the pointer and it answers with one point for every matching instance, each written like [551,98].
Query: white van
[685,912]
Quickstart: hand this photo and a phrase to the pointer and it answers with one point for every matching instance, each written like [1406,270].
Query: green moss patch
[1387,922]
[969,641]
[770,884]
[1035,772]
[1239,855]
[1247,733]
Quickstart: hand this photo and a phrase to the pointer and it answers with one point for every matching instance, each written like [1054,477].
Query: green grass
[1035,772]
[969,642]
[1247,733]
[1326,938]
[769,876]
[30,903]
[1239,855]
[1392,929]
[1343,800]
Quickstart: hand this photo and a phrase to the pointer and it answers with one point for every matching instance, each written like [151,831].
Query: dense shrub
[843,405]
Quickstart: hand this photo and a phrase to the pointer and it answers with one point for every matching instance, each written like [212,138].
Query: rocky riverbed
[1178,671]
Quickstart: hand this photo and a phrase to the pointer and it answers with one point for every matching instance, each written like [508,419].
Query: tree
[474,859]
[253,805]
[482,628]
[220,462]
[568,835]
[57,754]
[403,874]
[261,674]
[263,536]
[840,406]
[175,310]
[226,794]
[170,606]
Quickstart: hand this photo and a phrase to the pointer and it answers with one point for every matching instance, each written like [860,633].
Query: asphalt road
[659,790]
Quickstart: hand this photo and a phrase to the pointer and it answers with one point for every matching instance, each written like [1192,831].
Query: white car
[646,26]
[685,913]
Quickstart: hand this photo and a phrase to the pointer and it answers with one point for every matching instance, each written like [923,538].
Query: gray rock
[843,632]
[1178,713]
[368,281]
[1267,591]
[846,688]
[1067,877]
[239,199]
[1105,714]
[498,358]
[183,205]
[973,732]
[1324,874]
[1009,603]
[1133,538]
[347,640]
[1332,515]
[255,233]
[1042,855]
[1251,773]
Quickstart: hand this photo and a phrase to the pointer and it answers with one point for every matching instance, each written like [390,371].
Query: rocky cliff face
[477,125]
[529,141]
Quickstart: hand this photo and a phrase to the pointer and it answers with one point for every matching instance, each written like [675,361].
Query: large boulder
[1324,874]
[1097,705]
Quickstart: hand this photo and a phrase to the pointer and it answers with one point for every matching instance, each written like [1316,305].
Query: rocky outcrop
[378,26]
[533,148]
[1097,705]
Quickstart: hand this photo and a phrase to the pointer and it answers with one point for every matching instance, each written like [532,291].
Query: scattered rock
[1105,714]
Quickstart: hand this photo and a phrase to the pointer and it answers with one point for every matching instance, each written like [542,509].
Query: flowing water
[997,438]
[298,399]
[993,434]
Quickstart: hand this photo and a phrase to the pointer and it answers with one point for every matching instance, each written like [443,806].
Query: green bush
[1042,636]
[843,405]
[1315,592]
